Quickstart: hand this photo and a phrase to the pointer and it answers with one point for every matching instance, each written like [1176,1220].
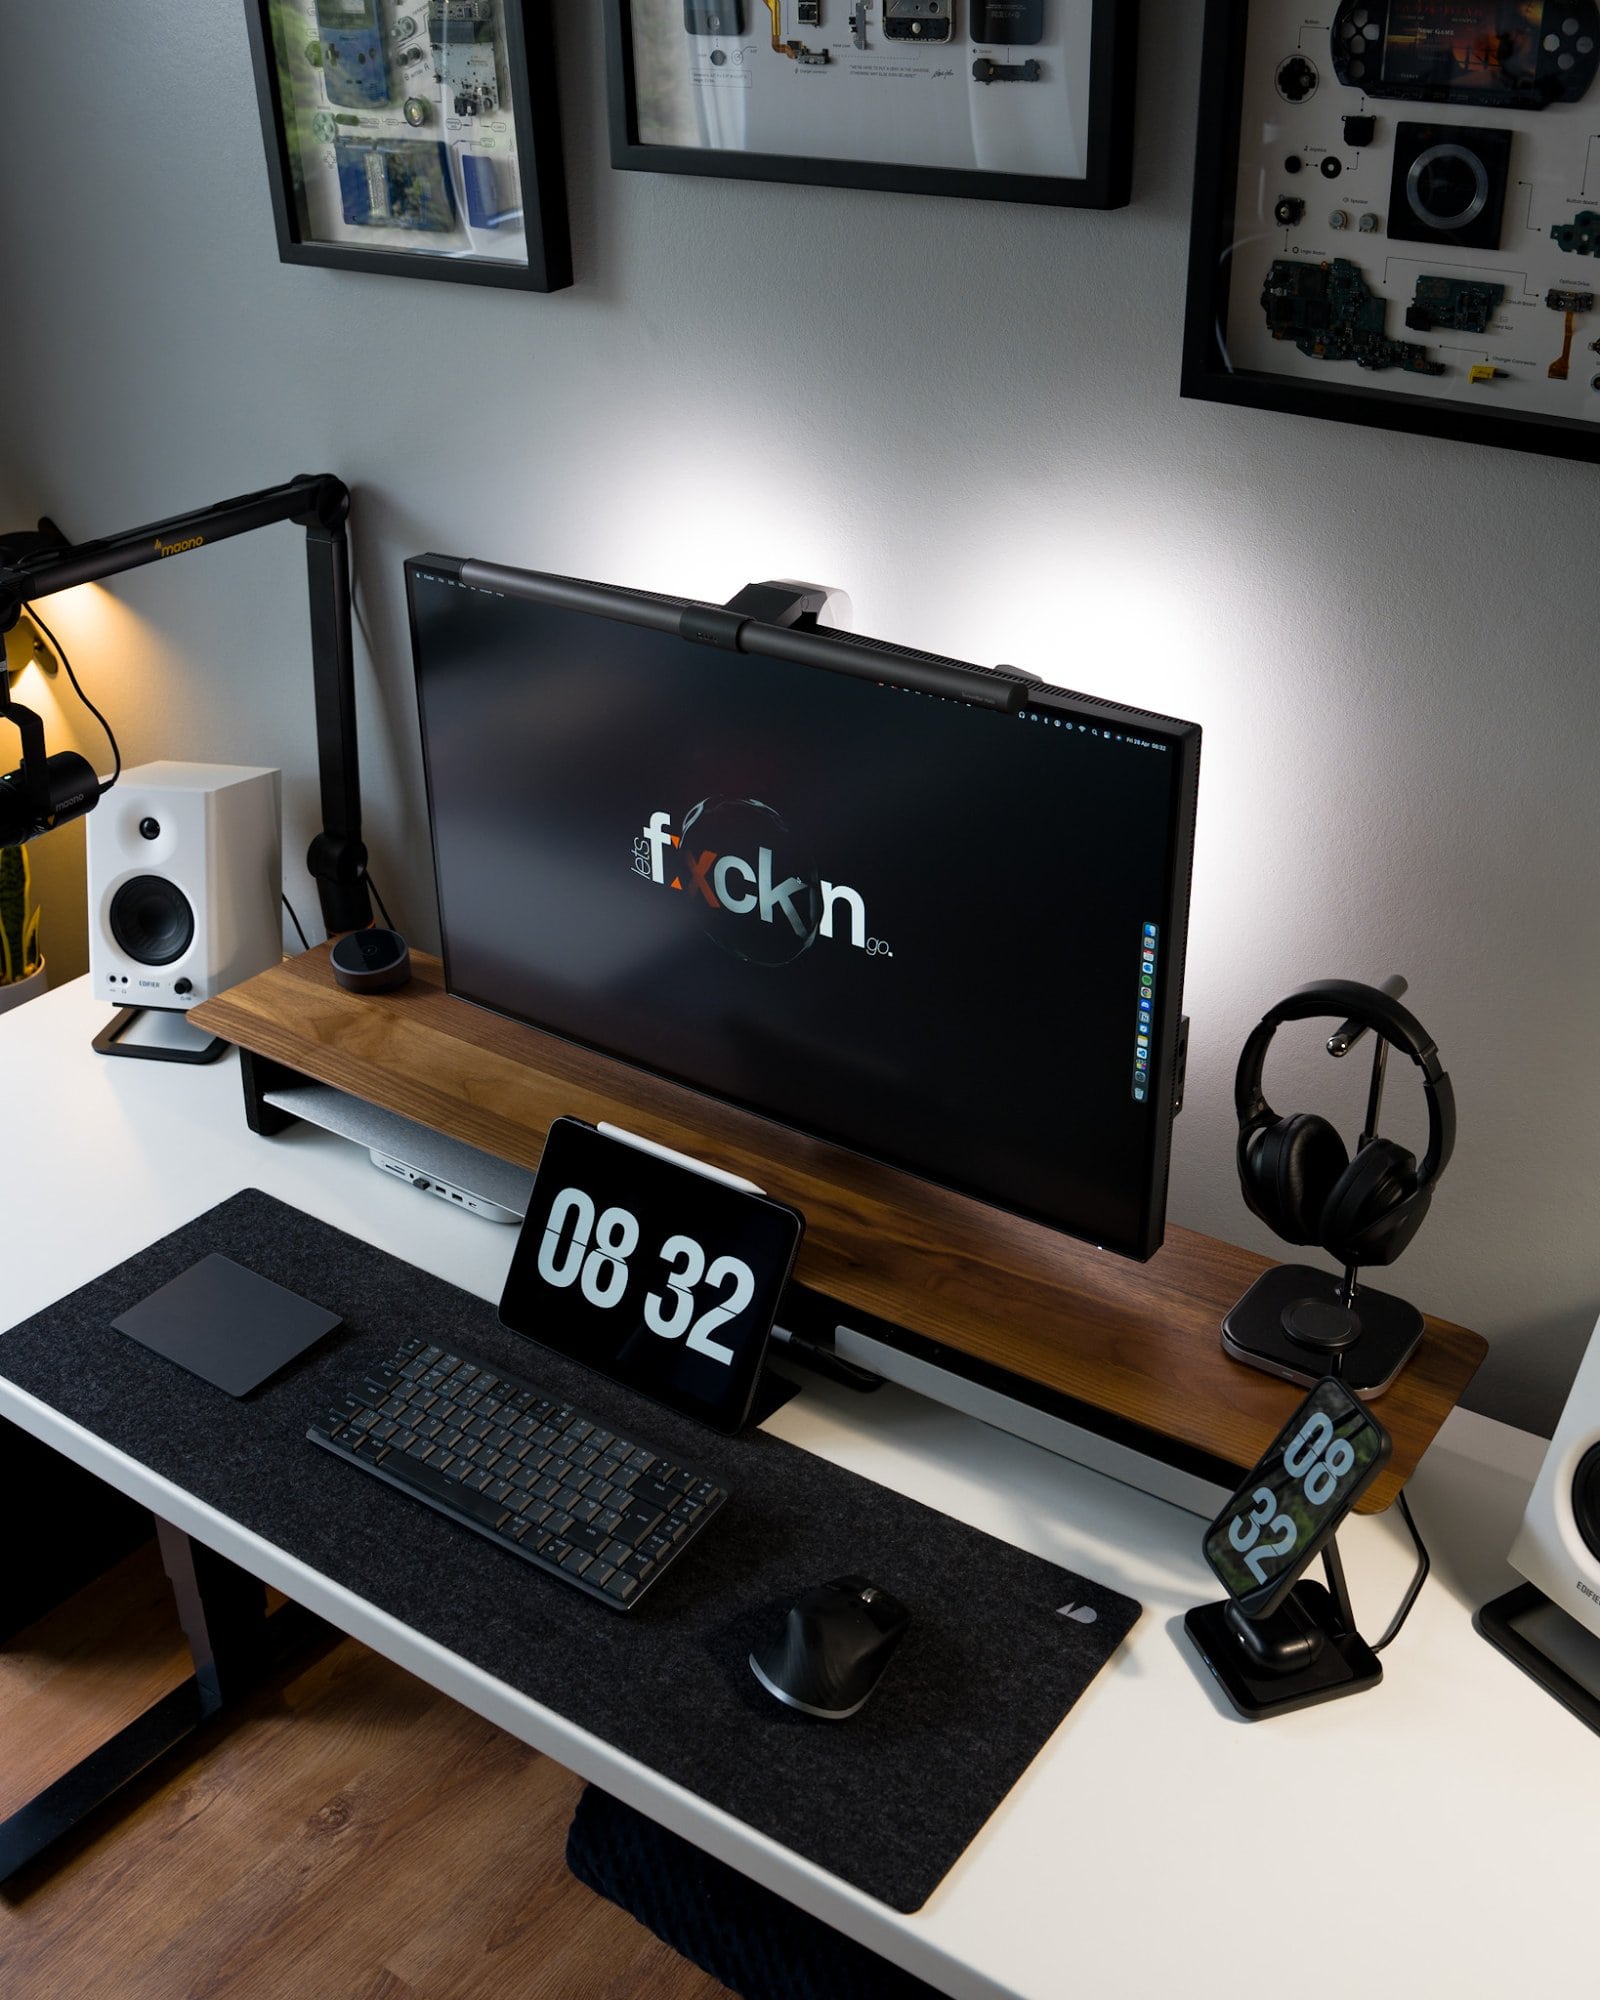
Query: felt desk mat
[886,1800]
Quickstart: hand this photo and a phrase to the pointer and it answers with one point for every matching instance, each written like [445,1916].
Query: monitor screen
[926,912]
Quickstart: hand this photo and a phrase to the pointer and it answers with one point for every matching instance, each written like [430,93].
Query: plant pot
[15,991]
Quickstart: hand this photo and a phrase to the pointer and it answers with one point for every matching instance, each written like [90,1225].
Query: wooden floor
[348,1834]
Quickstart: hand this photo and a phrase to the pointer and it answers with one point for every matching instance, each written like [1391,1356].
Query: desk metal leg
[234,1644]
[76,1528]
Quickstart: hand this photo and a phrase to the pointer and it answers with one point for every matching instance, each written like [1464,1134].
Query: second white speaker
[1558,1544]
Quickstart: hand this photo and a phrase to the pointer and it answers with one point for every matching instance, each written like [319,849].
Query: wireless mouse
[834,1645]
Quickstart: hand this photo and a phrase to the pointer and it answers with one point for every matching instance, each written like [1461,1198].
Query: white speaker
[1558,1545]
[185,882]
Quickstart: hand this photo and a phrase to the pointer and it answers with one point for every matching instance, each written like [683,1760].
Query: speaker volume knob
[183,986]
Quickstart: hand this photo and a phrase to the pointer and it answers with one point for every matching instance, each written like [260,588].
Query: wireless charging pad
[1292,1320]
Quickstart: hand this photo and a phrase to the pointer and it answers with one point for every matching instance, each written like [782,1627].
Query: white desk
[1444,1824]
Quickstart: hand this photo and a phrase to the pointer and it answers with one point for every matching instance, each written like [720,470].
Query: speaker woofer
[1586,1499]
[151,920]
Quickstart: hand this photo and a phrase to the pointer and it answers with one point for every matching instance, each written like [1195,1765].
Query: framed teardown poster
[1397,216]
[418,138]
[1006,100]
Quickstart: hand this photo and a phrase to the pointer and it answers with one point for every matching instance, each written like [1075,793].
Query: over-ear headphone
[1295,1172]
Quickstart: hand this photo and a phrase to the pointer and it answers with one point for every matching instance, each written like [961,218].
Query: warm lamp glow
[26,646]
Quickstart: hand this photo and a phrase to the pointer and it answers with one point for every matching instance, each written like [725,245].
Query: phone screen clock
[1313,1473]
[652,1272]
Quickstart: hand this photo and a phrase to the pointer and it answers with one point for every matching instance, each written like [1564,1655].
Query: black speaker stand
[157,1034]
[1549,1646]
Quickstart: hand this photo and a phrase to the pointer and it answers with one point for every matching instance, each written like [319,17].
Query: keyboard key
[638,1522]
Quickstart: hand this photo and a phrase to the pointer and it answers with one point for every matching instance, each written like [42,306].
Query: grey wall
[964,413]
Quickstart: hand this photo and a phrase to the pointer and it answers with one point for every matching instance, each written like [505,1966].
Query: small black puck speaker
[371,961]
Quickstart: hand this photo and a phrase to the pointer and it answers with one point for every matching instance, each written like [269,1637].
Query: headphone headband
[1349,1000]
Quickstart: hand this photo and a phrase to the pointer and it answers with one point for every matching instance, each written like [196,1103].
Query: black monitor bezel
[835,650]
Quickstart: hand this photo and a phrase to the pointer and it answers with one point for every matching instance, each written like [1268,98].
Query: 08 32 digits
[592,1251]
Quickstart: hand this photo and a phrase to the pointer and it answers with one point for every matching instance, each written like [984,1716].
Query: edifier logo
[1595,1594]
[754,904]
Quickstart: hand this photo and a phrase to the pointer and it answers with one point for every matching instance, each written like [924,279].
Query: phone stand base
[1291,1323]
[1345,1664]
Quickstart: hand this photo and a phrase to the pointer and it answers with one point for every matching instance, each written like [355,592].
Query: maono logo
[756,906]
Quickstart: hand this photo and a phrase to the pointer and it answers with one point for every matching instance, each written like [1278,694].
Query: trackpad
[226,1324]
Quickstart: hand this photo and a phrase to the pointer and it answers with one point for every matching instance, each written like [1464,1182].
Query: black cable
[1423,1566]
[380,902]
[305,943]
[61,655]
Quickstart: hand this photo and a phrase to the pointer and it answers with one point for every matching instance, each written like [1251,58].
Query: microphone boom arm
[320,504]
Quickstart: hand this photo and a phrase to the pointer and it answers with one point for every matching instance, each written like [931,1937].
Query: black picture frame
[1108,28]
[506,134]
[1249,131]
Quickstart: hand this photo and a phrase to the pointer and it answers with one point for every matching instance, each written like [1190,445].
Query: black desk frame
[234,1643]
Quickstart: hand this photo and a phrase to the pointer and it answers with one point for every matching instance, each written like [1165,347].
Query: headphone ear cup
[1374,1208]
[1287,1170]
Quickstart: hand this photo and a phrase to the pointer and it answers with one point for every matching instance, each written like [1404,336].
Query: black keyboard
[532,1472]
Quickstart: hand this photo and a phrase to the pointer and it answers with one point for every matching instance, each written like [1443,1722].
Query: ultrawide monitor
[933,913]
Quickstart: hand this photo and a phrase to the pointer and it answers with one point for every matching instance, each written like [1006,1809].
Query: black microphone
[34,801]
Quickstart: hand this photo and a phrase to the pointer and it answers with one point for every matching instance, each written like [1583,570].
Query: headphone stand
[1301,1323]
[1386,1329]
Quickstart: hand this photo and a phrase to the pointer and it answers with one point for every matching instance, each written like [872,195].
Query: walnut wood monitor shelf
[1013,1304]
